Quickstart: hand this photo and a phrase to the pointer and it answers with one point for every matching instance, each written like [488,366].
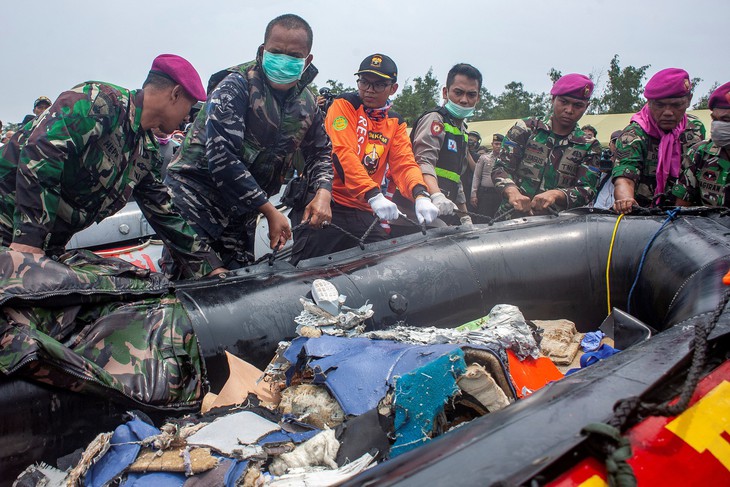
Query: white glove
[465,220]
[425,210]
[384,208]
[445,205]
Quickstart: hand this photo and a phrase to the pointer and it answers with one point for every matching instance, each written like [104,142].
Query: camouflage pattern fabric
[704,178]
[637,156]
[144,350]
[79,276]
[81,161]
[239,149]
[536,160]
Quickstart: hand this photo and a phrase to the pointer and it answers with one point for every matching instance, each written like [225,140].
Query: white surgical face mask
[720,133]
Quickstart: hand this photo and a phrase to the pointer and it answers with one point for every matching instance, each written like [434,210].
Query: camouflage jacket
[536,160]
[637,156]
[705,176]
[101,326]
[240,147]
[81,161]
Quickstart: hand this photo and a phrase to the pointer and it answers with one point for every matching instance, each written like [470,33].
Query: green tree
[516,102]
[334,86]
[704,101]
[624,88]
[338,88]
[416,98]
[554,75]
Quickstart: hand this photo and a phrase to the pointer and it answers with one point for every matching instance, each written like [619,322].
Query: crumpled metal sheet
[504,329]
[348,321]
[229,432]
[328,313]
[359,371]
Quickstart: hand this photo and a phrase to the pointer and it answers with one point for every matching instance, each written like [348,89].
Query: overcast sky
[50,45]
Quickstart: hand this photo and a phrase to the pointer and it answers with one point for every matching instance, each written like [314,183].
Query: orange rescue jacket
[363,149]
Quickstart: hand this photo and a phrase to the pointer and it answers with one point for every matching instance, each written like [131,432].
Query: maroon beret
[181,72]
[668,83]
[573,85]
[720,98]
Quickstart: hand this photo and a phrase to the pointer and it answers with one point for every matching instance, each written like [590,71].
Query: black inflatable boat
[550,267]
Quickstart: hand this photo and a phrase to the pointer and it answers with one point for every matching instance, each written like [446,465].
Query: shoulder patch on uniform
[437,128]
[340,123]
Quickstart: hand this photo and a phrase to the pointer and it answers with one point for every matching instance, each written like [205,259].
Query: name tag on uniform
[451,145]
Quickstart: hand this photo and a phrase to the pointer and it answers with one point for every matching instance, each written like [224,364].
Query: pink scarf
[670,150]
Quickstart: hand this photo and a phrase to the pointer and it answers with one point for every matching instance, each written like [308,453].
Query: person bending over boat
[91,151]
[705,177]
[258,116]
[367,139]
[550,163]
[649,152]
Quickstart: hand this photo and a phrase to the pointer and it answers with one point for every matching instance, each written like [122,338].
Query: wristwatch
[421,192]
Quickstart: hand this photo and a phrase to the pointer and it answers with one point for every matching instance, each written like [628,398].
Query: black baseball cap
[381,65]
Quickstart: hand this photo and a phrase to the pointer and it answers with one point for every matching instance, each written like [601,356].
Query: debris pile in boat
[333,402]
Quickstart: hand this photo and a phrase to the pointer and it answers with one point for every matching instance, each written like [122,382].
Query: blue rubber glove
[592,340]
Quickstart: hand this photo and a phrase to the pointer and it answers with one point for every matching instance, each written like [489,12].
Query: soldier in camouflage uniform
[258,115]
[705,177]
[550,163]
[88,154]
[649,152]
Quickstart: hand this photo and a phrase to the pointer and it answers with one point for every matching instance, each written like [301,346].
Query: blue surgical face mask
[282,69]
[457,110]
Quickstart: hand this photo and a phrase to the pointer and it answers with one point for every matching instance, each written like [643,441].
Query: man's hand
[474,200]
[279,228]
[319,211]
[445,205]
[624,205]
[28,249]
[425,210]
[217,271]
[623,193]
[541,202]
[384,208]
[519,201]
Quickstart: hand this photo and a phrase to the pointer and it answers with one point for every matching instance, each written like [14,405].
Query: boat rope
[671,216]
[271,257]
[616,450]
[608,436]
[488,219]
[608,263]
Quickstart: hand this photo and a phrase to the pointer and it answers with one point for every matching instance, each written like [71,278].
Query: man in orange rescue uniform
[367,138]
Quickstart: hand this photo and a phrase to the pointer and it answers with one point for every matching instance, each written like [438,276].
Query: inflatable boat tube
[550,267]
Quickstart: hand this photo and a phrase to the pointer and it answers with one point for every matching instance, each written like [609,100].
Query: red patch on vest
[436,128]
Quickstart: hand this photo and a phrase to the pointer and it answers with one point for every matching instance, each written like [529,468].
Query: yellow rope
[608,263]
